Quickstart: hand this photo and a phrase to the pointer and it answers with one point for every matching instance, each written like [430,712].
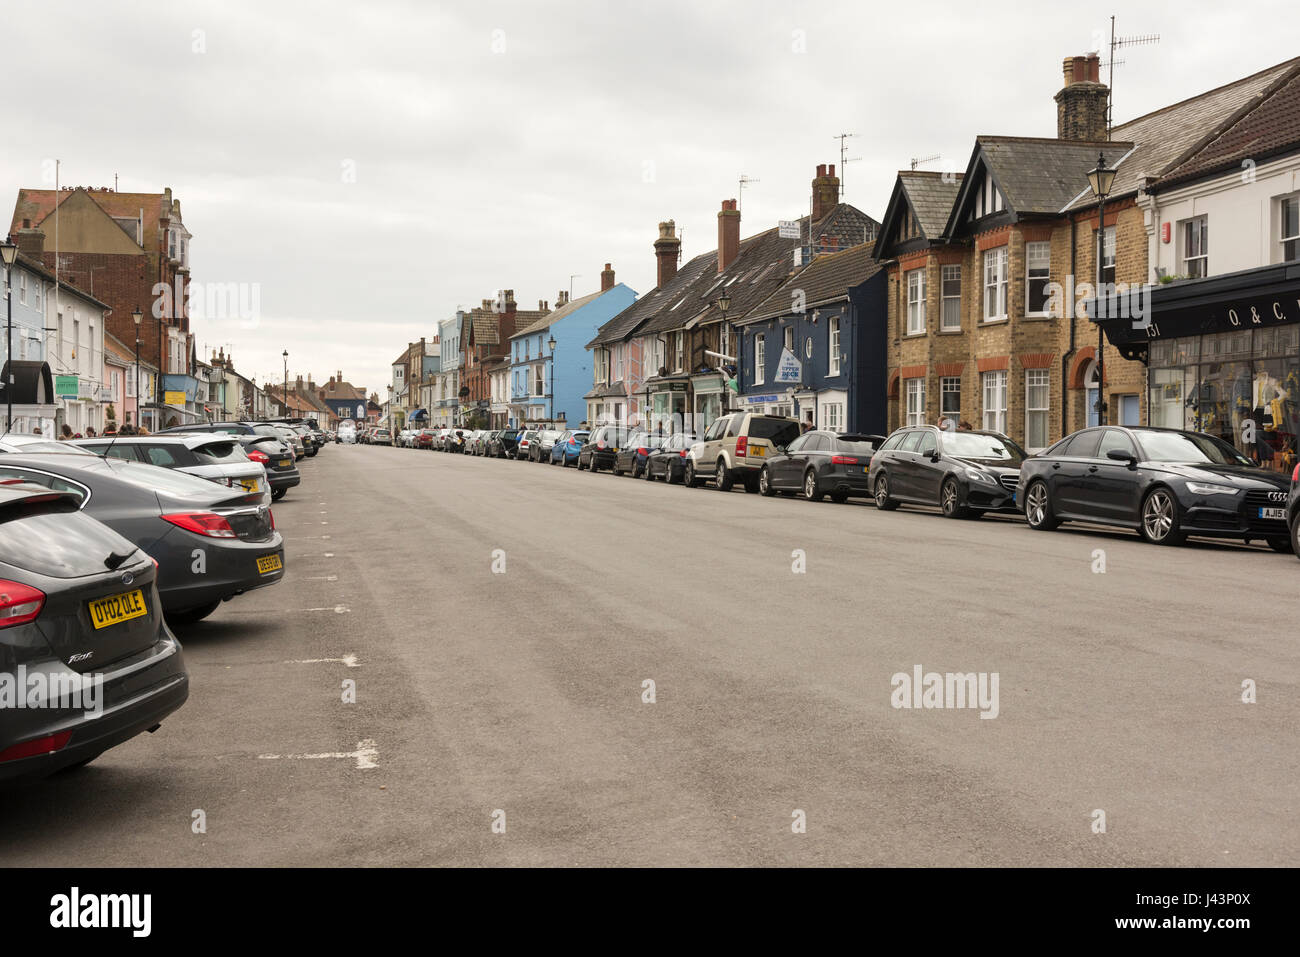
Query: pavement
[500,621]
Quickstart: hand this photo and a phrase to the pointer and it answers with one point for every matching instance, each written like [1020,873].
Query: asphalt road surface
[507,687]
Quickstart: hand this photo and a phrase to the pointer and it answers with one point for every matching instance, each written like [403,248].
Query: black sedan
[601,448]
[503,443]
[819,463]
[632,457]
[668,462]
[81,628]
[1165,483]
[965,473]
[212,543]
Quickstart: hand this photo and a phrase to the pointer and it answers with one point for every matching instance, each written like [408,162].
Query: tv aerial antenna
[845,159]
[740,193]
[918,160]
[1119,43]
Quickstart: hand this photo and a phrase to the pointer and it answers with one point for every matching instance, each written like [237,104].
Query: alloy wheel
[1158,516]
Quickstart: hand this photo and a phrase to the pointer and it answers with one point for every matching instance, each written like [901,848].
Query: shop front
[1223,357]
[708,390]
[665,403]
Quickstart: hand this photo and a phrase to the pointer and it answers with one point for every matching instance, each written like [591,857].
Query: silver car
[215,456]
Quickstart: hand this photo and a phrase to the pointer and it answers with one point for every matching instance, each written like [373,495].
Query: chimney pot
[1082,102]
[728,234]
[607,278]
[826,192]
[667,249]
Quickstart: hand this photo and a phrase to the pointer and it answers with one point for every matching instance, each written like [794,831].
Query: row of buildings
[975,297]
[98,324]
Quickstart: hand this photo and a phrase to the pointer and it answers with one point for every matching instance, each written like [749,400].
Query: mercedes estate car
[965,473]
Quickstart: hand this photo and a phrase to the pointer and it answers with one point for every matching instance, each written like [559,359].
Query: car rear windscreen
[220,453]
[776,431]
[57,541]
[856,446]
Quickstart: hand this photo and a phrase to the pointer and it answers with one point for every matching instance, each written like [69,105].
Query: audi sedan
[821,463]
[964,473]
[1165,483]
[668,462]
[212,543]
[81,628]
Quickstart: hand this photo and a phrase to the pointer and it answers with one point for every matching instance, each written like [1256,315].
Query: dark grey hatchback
[213,542]
[86,660]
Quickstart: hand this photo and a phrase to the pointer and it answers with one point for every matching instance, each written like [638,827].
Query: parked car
[601,448]
[821,463]
[304,435]
[564,452]
[76,598]
[257,438]
[634,454]
[455,441]
[212,543]
[381,437]
[668,461]
[526,438]
[735,446]
[217,457]
[964,473]
[23,443]
[347,434]
[540,450]
[503,443]
[424,439]
[403,440]
[1165,483]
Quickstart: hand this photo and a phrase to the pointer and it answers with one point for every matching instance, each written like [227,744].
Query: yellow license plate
[758,450]
[249,485]
[285,463]
[117,608]
[269,563]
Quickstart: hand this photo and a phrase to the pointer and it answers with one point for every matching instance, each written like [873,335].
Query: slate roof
[1037,176]
[1271,126]
[826,279]
[627,322]
[931,195]
[1169,136]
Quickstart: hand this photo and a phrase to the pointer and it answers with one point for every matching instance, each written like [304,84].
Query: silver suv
[735,447]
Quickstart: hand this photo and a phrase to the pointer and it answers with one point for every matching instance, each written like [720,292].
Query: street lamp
[138,316]
[724,304]
[9,252]
[1100,179]
[550,344]
[286,383]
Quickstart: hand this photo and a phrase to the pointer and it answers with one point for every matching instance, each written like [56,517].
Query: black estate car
[821,462]
[1166,483]
[601,448]
[965,473]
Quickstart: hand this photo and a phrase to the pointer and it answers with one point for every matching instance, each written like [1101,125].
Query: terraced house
[670,359]
[990,270]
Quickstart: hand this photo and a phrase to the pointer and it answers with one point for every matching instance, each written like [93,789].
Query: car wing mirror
[1119,455]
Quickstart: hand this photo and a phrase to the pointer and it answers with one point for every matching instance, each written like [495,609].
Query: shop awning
[32,382]
[419,415]
[1250,299]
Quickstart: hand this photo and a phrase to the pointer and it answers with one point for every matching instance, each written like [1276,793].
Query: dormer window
[988,200]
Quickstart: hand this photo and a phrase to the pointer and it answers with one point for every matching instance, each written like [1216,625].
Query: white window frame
[1194,246]
[915,279]
[1038,268]
[993,387]
[1040,379]
[680,352]
[995,284]
[833,336]
[22,288]
[760,357]
[914,401]
[947,274]
[946,388]
[833,416]
[787,339]
[1283,202]
[1108,241]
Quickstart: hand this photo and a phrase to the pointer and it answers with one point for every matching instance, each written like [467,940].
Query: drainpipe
[1069,353]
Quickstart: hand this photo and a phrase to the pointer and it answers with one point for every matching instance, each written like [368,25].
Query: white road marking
[366,754]
[349,660]
[321,578]
[337,609]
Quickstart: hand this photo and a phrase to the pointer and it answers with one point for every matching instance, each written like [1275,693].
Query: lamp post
[138,316]
[724,304]
[550,344]
[1101,180]
[286,383]
[9,252]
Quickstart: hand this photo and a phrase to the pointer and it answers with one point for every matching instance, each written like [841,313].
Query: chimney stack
[825,191]
[606,278]
[1081,104]
[667,249]
[30,242]
[728,234]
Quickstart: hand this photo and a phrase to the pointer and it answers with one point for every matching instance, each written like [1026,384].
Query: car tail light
[30,749]
[271,518]
[643,451]
[844,460]
[742,447]
[682,454]
[201,523]
[257,456]
[1295,476]
[600,444]
[19,603]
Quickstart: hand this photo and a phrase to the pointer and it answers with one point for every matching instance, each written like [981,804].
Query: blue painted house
[550,367]
[816,348]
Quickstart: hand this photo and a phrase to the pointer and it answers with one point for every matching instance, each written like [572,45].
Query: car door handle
[1092,468]
[1056,465]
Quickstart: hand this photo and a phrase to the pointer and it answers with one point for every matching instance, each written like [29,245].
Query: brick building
[129,250]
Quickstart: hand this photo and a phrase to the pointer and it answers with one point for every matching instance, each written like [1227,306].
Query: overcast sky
[372,166]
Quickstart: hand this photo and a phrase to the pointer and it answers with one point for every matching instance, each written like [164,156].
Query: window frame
[760,359]
[1187,228]
[999,414]
[915,305]
[1043,267]
[1044,377]
[995,281]
[945,298]
[944,392]
[833,346]
[1294,239]
[913,418]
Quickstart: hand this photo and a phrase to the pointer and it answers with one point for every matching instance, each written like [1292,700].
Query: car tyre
[1280,545]
[689,478]
[765,483]
[647,473]
[880,492]
[1160,519]
[277,494]
[751,484]
[722,478]
[839,498]
[1038,507]
[950,500]
[810,491]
